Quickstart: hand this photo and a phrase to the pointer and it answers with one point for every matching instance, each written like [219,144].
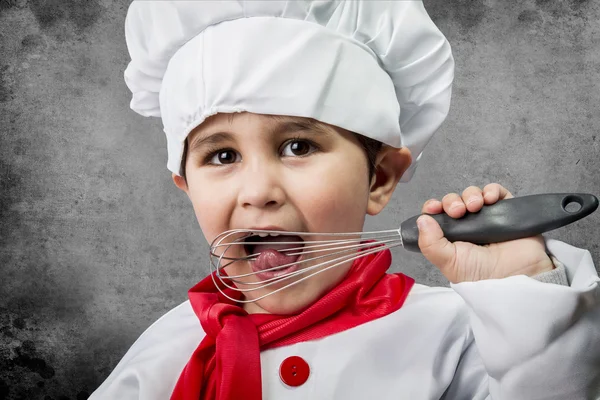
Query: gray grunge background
[96,242]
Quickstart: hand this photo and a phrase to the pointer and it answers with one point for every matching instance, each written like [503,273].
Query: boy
[302,116]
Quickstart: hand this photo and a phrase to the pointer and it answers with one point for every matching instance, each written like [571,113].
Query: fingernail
[423,224]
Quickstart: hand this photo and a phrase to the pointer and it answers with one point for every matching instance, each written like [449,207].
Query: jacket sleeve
[530,339]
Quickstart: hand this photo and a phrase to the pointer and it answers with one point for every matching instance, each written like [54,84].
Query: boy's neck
[253,308]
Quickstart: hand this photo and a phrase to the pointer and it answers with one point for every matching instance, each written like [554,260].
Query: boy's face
[253,171]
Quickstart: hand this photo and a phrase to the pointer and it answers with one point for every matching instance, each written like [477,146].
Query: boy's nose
[261,187]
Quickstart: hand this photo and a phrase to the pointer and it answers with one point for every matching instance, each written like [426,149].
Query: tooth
[263,234]
[274,234]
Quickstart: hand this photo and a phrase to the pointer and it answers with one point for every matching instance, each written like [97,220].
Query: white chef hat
[378,68]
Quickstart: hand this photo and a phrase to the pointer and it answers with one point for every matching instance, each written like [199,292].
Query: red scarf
[230,351]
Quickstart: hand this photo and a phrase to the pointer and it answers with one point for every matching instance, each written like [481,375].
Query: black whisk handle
[507,219]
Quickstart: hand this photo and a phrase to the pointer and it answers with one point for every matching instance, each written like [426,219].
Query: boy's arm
[533,340]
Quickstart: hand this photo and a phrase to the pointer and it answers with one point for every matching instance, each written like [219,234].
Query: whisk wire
[343,249]
[293,274]
[320,243]
[346,249]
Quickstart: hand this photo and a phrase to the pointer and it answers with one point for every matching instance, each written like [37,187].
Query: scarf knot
[215,316]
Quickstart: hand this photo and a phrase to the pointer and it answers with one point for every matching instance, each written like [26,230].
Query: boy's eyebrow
[210,139]
[279,128]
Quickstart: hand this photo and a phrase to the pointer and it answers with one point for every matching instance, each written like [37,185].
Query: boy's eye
[224,157]
[298,148]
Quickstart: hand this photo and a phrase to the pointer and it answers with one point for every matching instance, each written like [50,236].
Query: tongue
[271,258]
[272,254]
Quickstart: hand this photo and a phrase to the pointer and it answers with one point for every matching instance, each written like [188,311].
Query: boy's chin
[280,303]
[296,298]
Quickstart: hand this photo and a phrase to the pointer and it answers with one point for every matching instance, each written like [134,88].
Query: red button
[294,371]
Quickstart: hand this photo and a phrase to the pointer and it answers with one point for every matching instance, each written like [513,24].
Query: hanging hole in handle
[572,204]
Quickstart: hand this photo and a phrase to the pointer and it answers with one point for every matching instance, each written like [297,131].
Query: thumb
[434,246]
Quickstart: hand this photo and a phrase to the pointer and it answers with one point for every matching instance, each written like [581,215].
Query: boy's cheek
[336,203]
[210,219]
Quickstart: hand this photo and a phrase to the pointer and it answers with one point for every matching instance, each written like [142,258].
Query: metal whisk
[508,219]
[343,250]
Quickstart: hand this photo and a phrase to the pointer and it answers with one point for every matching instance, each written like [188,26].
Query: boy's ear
[181,183]
[390,165]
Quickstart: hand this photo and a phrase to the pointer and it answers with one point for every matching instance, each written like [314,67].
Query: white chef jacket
[504,339]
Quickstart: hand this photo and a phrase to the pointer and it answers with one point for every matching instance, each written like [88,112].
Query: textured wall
[96,242]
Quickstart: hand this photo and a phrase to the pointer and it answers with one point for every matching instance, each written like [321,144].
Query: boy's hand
[462,261]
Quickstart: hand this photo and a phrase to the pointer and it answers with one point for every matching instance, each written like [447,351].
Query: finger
[434,246]
[473,198]
[453,205]
[494,192]
[432,206]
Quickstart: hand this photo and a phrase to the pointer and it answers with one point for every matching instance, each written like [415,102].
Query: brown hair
[370,146]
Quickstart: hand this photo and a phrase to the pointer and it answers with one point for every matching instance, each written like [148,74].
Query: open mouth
[285,244]
[271,251]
